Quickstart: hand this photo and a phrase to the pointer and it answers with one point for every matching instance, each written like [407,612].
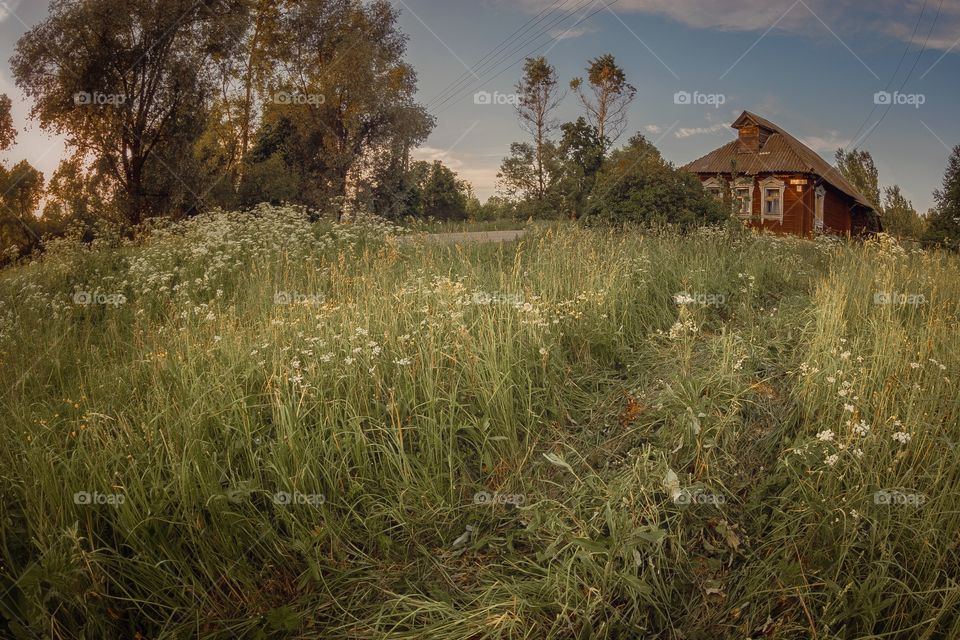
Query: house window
[743,198]
[818,213]
[712,186]
[772,190]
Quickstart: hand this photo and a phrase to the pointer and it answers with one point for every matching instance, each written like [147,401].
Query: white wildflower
[902,437]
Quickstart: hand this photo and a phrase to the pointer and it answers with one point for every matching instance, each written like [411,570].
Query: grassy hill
[258,426]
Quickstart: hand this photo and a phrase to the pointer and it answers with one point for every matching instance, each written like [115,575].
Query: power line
[465,76]
[907,79]
[896,71]
[470,87]
[503,56]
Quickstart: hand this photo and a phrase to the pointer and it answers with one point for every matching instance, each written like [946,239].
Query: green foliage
[347,97]
[899,217]
[498,208]
[517,177]
[128,87]
[538,99]
[858,168]
[269,180]
[580,160]
[20,191]
[944,224]
[8,134]
[443,196]
[177,106]
[636,185]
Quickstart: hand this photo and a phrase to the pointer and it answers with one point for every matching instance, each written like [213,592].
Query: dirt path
[468,237]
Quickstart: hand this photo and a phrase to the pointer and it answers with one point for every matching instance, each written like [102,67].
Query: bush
[636,185]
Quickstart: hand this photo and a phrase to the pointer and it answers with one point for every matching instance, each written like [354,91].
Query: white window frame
[743,183]
[713,183]
[820,198]
[771,183]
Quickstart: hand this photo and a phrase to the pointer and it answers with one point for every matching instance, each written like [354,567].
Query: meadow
[258,425]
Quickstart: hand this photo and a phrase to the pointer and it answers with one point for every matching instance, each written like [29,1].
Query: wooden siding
[799,205]
[836,211]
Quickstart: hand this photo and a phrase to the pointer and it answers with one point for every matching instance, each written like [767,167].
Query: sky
[814,67]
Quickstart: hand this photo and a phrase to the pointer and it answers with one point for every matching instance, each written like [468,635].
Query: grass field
[258,427]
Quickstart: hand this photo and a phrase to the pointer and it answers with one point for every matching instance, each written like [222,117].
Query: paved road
[469,236]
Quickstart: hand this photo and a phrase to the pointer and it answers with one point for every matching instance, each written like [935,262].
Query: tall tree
[352,92]
[21,188]
[539,97]
[858,168]
[444,196]
[243,74]
[75,193]
[612,95]
[899,216]
[8,134]
[127,87]
[581,158]
[517,178]
[944,224]
[20,191]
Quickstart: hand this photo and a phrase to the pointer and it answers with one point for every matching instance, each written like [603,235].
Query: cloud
[7,7]
[827,143]
[472,169]
[890,18]
[653,129]
[689,132]
[570,34]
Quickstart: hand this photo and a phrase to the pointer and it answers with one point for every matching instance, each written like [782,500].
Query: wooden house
[776,183]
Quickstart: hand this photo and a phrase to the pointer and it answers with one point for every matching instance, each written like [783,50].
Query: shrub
[636,185]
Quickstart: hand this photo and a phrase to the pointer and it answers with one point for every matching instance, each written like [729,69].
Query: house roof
[781,153]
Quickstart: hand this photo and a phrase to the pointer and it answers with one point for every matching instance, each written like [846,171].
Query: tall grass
[316,431]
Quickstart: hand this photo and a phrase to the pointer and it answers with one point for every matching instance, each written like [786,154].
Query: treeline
[941,224]
[569,169]
[572,169]
[169,107]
